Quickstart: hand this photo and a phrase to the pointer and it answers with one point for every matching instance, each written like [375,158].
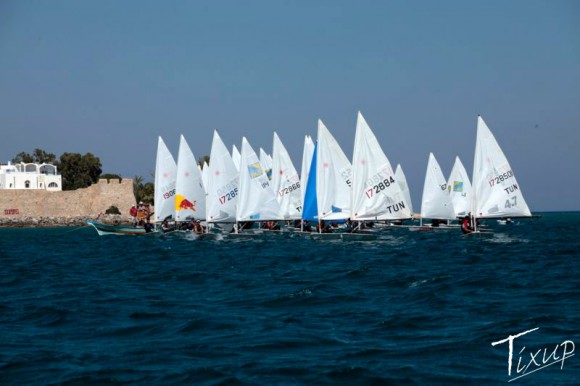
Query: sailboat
[310,202]
[189,191]
[285,182]
[257,201]
[165,179]
[307,154]
[402,181]
[375,192]
[333,178]
[436,203]
[459,189]
[495,191]
[223,180]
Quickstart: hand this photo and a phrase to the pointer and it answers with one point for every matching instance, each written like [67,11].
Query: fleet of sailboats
[242,188]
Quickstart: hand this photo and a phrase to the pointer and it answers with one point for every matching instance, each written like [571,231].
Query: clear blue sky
[110,76]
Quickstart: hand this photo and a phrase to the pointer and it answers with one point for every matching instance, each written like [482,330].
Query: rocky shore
[50,221]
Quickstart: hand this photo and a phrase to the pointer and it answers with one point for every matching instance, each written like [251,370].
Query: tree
[22,157]
[203,159]
[78,171]
[38,156]
[112,210]
[143,191]
[111,176]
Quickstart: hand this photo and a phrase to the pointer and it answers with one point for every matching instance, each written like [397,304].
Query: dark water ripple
[410,308]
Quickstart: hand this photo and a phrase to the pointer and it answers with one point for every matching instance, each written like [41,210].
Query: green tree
[79,171]
[111,176]
[137,188]
[112,210]
[203,159]
[22,157]
[148,192]
[143,191]
[38,156]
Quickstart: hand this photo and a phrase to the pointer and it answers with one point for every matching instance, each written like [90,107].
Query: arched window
[48,169]
[53,185]
[27,184]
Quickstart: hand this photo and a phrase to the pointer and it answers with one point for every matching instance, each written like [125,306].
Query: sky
[109,77]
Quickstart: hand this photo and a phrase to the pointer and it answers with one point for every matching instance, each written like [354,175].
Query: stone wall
[20,205]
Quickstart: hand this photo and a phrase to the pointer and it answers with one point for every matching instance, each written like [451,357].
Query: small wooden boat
[122,230]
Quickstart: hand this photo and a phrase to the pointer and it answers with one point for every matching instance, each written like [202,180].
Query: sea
[409,308]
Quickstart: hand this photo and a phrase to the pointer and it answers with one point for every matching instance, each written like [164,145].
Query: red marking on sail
[186,204]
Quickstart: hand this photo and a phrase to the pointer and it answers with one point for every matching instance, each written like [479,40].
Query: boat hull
[118,230]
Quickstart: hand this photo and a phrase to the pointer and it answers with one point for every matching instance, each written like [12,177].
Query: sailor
[148,226]
[466,226]
[133,213]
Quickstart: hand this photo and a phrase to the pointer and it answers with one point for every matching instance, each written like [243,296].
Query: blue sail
[310,206]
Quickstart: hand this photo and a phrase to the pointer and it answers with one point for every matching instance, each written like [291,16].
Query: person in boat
[323,227]
[466,225]
[133,214]
[306,226]
[436,222]
[148,226]
[272,225]
[197,228]
[165,227]
[350,226]
[143,210]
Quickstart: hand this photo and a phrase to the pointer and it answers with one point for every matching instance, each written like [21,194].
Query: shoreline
[61,221]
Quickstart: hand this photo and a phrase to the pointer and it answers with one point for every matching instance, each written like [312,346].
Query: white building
[30,176]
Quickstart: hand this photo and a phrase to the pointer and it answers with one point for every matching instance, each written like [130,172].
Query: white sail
[165,173]
[257,200]
[459,189]
[222,192]
[189,191]
[205,175]
[285,182]
[375,192]
[496,193]
[236,157]
[306,159]
[436,202]
[402,181]
[266,162]
[333,178]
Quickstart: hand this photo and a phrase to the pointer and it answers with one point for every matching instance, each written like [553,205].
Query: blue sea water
[409,308]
